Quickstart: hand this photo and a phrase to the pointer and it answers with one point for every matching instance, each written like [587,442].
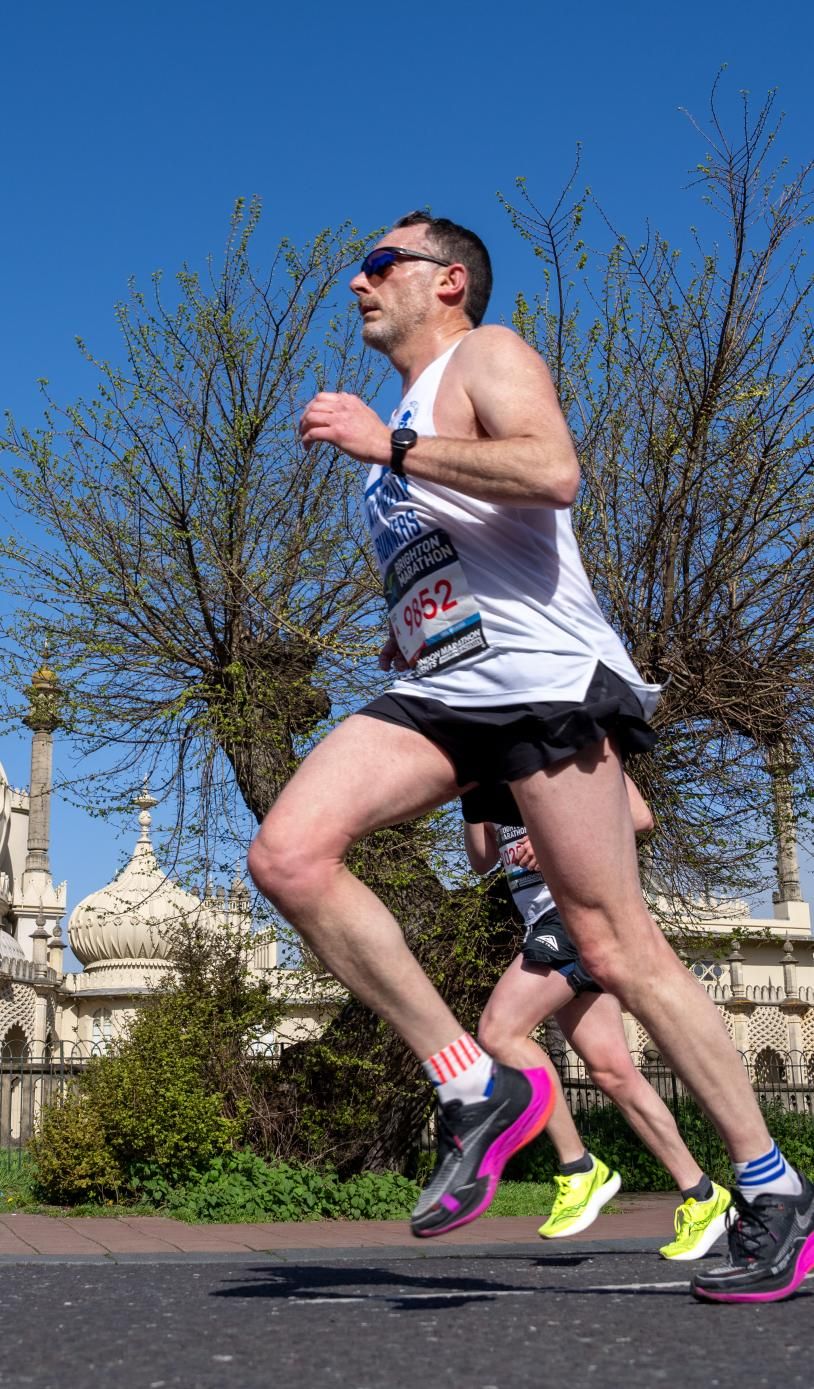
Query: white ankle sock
[460,1071]
[770,1172]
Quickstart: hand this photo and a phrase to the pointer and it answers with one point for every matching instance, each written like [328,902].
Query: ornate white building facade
[121,934]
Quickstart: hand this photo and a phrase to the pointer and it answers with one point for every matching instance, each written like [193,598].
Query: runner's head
[458,245]
[435,270]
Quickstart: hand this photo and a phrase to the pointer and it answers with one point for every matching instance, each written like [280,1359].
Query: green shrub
[242,1187]
[143,1108]
[606,1133]
[376,1196]
[70,1156]
[174,1093]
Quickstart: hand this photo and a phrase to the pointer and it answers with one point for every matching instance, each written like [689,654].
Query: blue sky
[129,130]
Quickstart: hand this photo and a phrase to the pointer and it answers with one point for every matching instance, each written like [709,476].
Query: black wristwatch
[400,441]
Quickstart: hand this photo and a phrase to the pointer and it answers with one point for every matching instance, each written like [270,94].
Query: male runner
[548,979]
[514,676]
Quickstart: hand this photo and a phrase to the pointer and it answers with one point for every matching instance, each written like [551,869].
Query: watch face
[403,438]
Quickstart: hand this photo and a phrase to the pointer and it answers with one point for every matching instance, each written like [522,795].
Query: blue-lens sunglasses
[375,262]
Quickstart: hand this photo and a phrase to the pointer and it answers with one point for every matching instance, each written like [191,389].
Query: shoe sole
[803,1266]
[526,1127]
[712,1233]
[600,1198]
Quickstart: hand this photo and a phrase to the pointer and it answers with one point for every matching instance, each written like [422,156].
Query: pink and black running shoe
[771,1249]
[475,1141]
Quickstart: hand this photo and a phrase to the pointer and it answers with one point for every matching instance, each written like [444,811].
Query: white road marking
[633,1287]
[417,1297]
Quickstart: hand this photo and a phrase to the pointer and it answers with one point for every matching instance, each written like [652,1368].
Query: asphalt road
[605,1319]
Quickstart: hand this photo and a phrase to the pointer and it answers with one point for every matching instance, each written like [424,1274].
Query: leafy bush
[606,1133]
[143,1107]
[70,1155]
[242,1187]
[173,1094]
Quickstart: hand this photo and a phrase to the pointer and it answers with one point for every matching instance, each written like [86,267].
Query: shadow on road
[310,1282]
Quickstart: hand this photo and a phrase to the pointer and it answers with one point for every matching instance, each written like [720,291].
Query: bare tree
[203,581]
[690,391]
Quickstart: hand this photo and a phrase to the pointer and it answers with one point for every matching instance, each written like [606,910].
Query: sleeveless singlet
[528,887]
[489,604]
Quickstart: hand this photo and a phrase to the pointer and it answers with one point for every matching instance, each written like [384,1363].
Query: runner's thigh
[579,822]
[364,775]
[524,997]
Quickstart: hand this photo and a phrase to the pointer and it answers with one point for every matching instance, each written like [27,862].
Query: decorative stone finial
[789,963]
[44,694]
[146,803]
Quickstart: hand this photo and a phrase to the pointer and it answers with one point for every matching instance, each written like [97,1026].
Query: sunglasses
[376,262]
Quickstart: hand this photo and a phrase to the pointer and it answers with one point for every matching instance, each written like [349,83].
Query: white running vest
[489,604]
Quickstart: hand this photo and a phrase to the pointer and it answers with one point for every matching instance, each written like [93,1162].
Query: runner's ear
[450,284]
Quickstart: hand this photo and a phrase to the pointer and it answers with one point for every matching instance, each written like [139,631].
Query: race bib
[434,617]
[432,613]
[520,879]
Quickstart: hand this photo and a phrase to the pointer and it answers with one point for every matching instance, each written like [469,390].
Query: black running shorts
[547,942]
[513,741]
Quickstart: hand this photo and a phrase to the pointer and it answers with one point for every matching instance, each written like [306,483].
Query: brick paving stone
[118,1235]
[191,1239]
[10,1241]
[49,1235]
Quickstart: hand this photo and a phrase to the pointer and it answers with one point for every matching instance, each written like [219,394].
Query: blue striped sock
[768,1173]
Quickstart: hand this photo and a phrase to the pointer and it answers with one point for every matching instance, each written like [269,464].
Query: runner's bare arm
[526,457]
[480,843]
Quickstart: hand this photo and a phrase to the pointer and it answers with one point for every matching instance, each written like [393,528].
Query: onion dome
[133,917]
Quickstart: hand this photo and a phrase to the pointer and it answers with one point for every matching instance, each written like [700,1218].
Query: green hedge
[608,1136]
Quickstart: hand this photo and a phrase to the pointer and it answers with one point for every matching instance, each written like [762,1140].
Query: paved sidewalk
[643,1218]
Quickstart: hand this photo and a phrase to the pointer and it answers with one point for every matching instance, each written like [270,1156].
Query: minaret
[42,718]
[788,899]
[37,894]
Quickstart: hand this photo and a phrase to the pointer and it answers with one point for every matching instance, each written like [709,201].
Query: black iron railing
[780,1079]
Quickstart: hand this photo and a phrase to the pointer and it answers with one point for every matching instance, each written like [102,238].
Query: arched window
[101,1029]
[770,1067]
[14,1045]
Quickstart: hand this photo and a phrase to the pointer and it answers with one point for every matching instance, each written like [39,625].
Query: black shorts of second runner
[547,942]
[503,744]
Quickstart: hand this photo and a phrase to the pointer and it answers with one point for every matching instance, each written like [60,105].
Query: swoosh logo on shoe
[475,1134]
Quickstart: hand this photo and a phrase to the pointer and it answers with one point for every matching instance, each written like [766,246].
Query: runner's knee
[616,954]
[495,1030]
[287,867]
[613,1075]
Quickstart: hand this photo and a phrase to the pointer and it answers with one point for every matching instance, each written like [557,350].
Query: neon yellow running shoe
[579,1200]
[698,1224]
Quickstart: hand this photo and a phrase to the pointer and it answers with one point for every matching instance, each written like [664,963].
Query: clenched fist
[344,420]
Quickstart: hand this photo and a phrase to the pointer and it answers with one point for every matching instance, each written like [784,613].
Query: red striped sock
[460,1071]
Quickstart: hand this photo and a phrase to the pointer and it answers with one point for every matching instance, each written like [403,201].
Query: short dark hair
[455,243]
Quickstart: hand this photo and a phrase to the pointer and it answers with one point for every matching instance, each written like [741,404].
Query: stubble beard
[388,333]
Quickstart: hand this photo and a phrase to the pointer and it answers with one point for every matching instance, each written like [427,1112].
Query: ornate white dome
[130,919]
